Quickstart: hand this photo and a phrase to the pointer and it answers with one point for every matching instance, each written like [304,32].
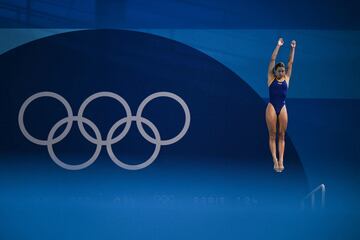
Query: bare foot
[281,166]
[276,165]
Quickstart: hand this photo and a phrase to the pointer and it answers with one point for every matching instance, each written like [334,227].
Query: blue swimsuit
[277,93]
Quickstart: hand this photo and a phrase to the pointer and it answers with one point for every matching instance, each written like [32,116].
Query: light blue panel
[326,62]
[12,37]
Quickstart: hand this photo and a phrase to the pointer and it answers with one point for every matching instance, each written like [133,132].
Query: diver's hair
[279,64]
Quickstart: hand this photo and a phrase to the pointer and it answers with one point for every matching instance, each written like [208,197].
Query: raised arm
[291,60]
[272,60]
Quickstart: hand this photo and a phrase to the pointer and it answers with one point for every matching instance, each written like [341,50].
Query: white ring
[34,97]
[169,95]
[111,95]
[71,166]
[135,166]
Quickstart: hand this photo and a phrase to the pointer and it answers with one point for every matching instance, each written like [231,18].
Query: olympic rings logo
[110,140]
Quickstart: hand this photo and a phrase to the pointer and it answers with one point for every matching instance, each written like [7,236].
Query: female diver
[276,113]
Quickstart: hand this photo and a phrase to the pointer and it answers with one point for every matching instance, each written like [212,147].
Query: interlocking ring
[110,95]
[26,104]
[138,166]
[99,141]
[70,166]
[169,95]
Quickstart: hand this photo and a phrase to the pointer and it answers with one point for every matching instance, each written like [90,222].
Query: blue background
[224,196]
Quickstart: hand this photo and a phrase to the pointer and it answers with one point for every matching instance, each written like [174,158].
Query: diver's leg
[271,119]
[283,122]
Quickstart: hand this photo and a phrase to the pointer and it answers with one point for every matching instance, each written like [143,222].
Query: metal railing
[311,195]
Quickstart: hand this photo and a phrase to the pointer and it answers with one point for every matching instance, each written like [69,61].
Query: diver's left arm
[291,60]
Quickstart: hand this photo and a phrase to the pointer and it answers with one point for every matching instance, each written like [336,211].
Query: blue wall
[211,184]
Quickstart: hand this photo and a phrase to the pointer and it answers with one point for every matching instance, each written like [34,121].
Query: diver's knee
[272,135]
[281,135]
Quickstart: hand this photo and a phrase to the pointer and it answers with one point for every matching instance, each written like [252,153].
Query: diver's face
[280,72]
